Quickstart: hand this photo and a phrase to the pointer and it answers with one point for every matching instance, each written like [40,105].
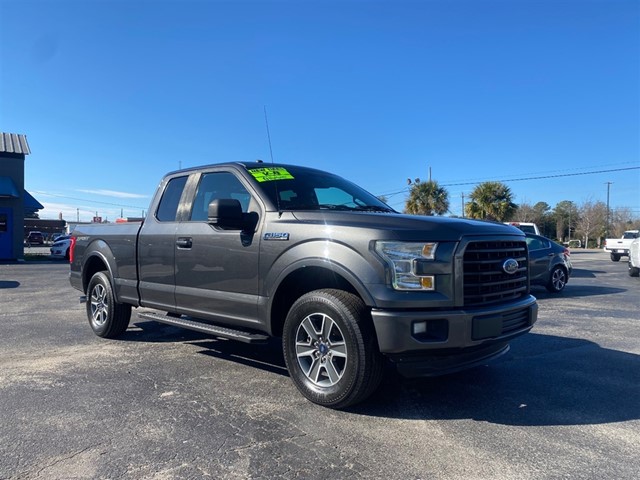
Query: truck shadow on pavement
[544,380]
[266,356]
[575,291]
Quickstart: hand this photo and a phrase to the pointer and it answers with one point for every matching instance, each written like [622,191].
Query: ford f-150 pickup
[249,251]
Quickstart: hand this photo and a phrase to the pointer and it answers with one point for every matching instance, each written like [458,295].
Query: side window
[171,199]
[215,186]
[536,244]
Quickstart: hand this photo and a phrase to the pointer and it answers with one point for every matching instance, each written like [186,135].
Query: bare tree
[622,219]
[592,221]
[525,213]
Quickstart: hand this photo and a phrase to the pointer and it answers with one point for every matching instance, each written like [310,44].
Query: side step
[200,326]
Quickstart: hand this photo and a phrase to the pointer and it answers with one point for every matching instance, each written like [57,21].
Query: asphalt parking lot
[164,403]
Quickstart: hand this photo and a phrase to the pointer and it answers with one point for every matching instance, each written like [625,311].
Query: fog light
[436,330]
[419,327]
[427,283]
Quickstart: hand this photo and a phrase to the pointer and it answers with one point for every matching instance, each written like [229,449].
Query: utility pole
[462,194]
[569,221]
[606,229]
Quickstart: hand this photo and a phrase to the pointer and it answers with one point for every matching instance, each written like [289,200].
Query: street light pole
[606,229]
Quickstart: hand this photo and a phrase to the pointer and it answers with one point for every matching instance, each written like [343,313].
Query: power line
[89,201]
[540,177]
[546,176]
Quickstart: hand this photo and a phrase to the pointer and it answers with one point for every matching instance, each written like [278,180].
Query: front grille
[485,280]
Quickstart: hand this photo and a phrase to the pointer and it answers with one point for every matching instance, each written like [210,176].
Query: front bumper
[441,341]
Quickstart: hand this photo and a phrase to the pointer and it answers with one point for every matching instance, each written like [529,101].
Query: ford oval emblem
[510,266]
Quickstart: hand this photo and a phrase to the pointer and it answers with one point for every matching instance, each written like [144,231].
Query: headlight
[402,258]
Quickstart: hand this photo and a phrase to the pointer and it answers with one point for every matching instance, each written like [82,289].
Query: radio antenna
[275,183]
[266,122]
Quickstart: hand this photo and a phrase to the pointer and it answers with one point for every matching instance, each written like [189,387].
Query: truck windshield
[304,189]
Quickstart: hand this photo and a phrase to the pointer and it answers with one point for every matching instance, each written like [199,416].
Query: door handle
[184,242]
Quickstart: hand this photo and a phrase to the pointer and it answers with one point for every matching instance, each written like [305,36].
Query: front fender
[345,261]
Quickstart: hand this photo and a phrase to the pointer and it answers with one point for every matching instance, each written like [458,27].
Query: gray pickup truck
[249,251]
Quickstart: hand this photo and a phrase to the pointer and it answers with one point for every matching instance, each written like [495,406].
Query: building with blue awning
[15,202]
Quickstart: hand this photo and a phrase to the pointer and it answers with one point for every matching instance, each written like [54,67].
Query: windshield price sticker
[269,174]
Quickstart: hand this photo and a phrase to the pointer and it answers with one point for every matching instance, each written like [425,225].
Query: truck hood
[408,226]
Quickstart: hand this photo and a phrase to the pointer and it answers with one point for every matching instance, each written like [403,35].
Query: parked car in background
[60,248]
[619,247]
[634,258]
[526,227]
[549,263]
[35,238]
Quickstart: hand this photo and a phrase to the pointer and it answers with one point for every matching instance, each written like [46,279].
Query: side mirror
[226,213]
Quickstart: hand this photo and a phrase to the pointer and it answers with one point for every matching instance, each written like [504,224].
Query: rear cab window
[168,207]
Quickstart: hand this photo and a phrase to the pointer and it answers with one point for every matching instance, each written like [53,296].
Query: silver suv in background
[634,258]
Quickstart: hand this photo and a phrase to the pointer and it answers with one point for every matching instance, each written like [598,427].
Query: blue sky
[112,95]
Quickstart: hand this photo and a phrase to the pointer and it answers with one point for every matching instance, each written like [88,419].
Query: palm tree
[427,198]
[491,201]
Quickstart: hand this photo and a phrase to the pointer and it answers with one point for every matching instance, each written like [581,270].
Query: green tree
[565,215]
[427,198]
[491,201]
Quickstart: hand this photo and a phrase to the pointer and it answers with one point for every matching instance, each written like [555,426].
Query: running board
[200,326]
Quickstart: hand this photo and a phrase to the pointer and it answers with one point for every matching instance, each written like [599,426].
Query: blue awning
[8,188]
[31,203]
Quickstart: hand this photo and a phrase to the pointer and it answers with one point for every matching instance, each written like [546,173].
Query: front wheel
[633,271]
[330,348]
[557,279]
[615,257]
[108,318]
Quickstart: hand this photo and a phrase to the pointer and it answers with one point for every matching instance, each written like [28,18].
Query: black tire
[633,271]
[108,319]
[66,254]
[337,363]
[557,279]
[615,257]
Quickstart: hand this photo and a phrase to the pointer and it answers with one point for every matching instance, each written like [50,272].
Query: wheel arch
[95,262]
[305,277]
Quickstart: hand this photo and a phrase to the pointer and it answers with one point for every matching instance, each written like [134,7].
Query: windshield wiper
[343,208]
[375,208]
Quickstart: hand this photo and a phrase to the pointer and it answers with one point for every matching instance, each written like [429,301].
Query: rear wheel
[633,271]
[107,318]
[330,348]
[615,257]
[557,279]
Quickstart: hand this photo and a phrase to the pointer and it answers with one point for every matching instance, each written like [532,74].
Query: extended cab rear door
[217,268]
[157,245]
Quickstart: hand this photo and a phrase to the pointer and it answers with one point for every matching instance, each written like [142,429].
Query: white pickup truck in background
[619,247]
